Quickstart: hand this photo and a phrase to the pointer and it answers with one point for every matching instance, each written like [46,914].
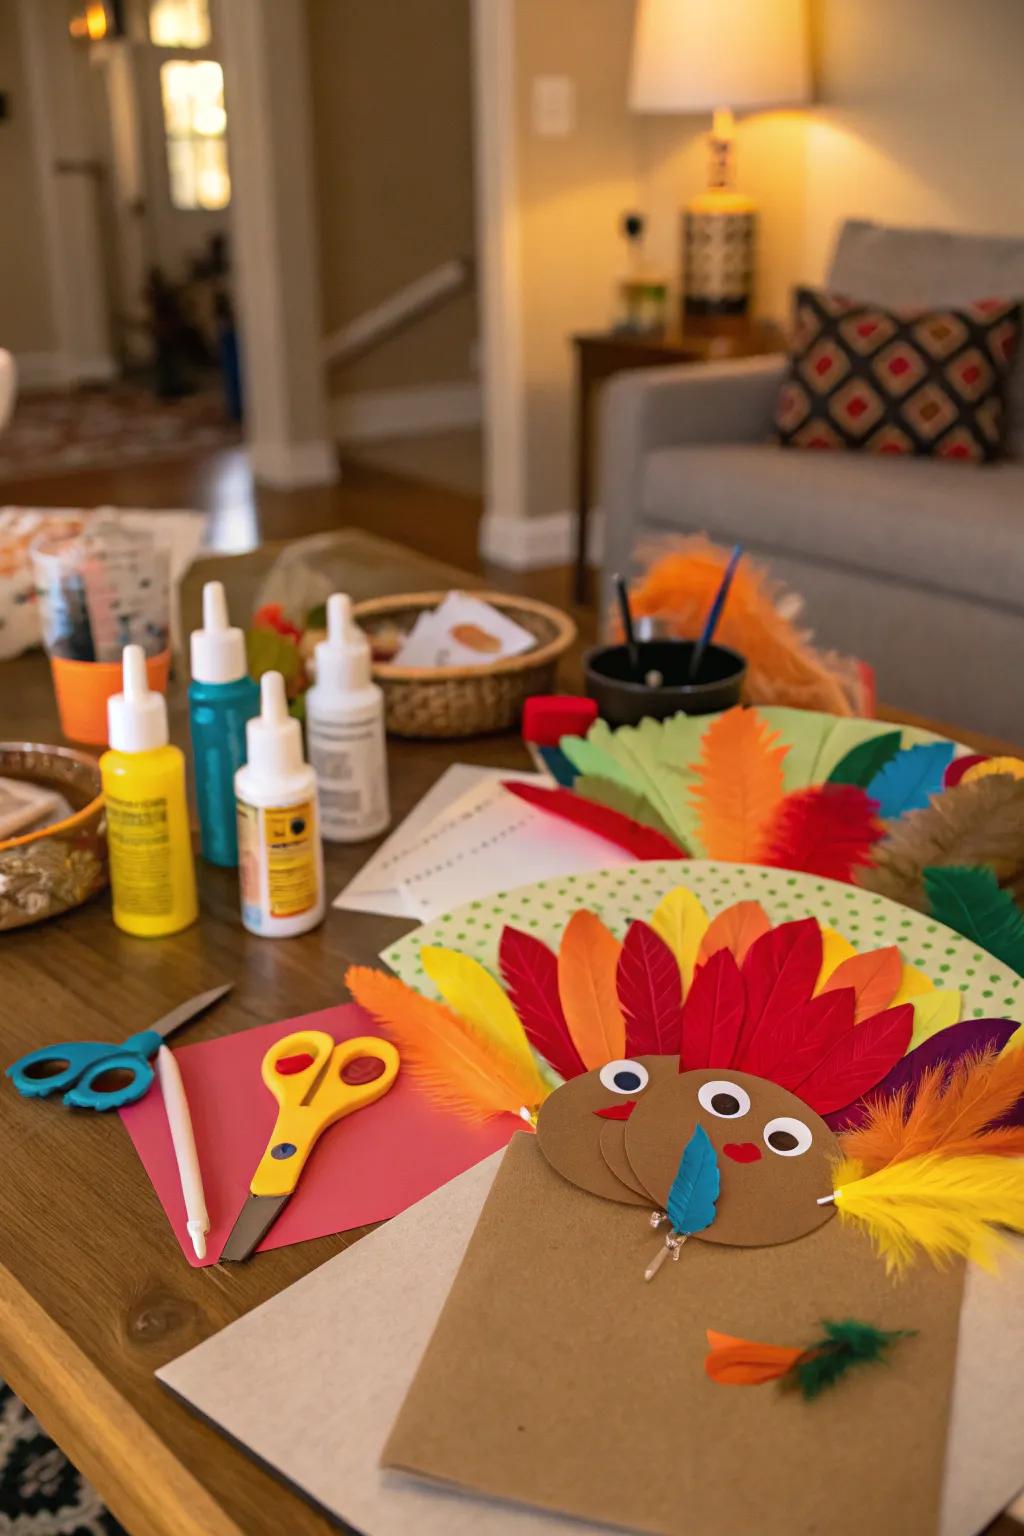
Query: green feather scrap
[629,801]
[972,902]
[845,1345]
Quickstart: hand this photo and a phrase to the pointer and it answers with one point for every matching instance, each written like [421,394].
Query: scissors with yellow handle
[316,1083]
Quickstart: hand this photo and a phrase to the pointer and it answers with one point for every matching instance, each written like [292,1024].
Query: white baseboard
[57,370]
[530,543]
[413,412]
[289,466]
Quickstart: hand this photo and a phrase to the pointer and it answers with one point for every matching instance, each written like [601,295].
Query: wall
[391,96]
[26,319]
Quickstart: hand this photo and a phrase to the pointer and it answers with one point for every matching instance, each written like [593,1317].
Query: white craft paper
[434,640]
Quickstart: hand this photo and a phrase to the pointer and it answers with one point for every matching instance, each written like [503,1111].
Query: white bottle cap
[343,659]
[218,649]
[136,718]
[273,738]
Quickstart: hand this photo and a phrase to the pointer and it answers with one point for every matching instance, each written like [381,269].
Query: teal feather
[694,1192]
[908,780]
[971,901]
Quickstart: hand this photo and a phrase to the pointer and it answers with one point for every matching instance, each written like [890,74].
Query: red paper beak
[742,1151]
[617,1111]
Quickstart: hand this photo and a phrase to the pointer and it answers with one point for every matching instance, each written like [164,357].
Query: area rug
[41,1493]
[57,433]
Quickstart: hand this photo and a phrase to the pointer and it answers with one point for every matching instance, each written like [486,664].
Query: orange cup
[83,688]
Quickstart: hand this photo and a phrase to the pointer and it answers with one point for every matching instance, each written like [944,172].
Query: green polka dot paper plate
[945,959]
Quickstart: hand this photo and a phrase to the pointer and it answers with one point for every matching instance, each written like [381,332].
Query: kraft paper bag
[557,1378]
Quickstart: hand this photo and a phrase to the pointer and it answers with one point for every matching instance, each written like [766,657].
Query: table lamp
[717,56]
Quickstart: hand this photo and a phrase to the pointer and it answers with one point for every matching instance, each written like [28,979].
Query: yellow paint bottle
[152,873]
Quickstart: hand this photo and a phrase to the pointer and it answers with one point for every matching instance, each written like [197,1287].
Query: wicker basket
[466,701]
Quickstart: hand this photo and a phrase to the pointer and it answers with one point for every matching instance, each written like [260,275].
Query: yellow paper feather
[472,992]
[681,921]
[913,984]
[934,1011]
[457,1067]
[949,1207]
[834,950]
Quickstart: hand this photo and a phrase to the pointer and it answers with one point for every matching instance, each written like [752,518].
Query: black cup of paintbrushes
[654,684]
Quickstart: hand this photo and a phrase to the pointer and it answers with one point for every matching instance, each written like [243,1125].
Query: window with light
[179,23]
[195,124]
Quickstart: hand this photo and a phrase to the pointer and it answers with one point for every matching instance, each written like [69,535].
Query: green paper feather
[845,1345]
[618,798]
[860,765]
[972,902]
[804,732]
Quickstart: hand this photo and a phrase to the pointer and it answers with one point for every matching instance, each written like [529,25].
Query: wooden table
[601,354]
[94,1292]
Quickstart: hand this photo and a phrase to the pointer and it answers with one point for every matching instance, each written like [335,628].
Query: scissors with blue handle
[75,1069]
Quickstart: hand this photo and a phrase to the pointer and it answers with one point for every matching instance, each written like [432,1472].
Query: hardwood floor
[435,520]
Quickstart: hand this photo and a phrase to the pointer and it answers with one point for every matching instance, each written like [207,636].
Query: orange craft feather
[955,1117]
[587,962]
[457,1068]
[740,785]
[743,1363]
[874,977]
[734,929]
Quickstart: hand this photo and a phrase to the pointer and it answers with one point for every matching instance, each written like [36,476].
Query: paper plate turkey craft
[897,810]
[742,1179]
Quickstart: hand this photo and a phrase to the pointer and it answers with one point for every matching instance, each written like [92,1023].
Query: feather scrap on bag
[977,823]
[950,1207]
[783,666]
[743,1363]
[457,1067]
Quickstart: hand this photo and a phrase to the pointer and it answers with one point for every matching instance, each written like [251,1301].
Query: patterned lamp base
[719,245]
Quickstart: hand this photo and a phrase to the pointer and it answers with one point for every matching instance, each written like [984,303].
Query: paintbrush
[626,613]
[707,634]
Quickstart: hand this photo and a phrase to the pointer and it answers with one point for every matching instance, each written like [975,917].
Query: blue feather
[691,1200]
[908,780]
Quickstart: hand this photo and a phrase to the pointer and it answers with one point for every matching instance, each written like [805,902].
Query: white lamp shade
[696,55]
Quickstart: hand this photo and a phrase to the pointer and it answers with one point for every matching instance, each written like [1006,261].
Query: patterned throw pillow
[898,381]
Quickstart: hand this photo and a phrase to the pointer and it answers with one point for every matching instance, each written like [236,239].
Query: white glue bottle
[280,857]
[345,732]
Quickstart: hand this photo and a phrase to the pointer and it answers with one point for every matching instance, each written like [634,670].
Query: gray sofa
[916,565]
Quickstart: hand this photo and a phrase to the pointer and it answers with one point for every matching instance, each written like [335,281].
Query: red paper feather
[828,829]
[780,973]
[806,1037]
[874,977]
[530,973]
[642,842]
[713,1014]
[858,1061]
[650,993]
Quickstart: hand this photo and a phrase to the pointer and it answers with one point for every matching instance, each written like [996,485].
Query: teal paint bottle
[221,698]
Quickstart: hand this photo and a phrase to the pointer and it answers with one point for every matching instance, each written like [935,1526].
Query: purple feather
[972,1037]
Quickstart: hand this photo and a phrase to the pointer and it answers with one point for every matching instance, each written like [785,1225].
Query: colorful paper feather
[682,922]
[456,1066]
[694,1191]
[971,901]
[628,802]
[529,970]
[828,830]
[713,1014]
[875,978]
[780,973]
[948,1207]
[857,1061]
[588,957]
[866,760]
[910,778]
[804,1037]
[835,948]
[934,1012]
[735,928]
[473,994]
[740,785]
[642,842]
[650,992]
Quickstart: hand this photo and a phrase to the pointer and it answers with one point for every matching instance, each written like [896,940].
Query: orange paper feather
[456,1067]
[874,977]
[734,929]
[587,963]
[955,1115]
[740,785]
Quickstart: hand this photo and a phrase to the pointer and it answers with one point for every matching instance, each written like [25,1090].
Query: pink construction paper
[366,1168]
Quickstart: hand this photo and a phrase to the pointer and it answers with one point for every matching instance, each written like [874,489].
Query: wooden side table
[600,354]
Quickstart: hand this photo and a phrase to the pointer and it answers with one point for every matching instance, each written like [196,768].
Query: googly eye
[787,1137]
[624,1077]
[726,1100]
